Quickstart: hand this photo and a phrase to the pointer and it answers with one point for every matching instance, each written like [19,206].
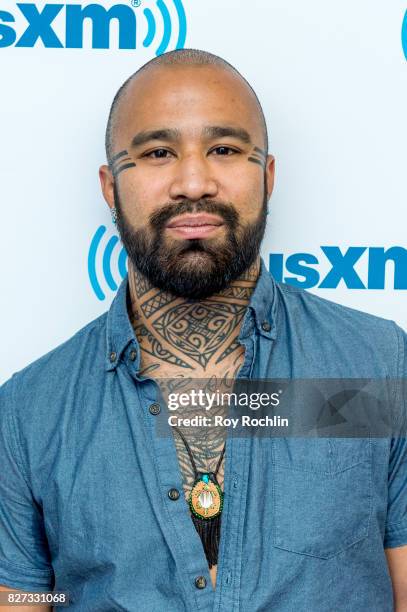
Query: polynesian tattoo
[181,341]
[258,156]
[206,443]
[187,333]
[121,161]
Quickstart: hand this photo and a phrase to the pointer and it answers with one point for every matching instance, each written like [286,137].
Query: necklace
[206,504]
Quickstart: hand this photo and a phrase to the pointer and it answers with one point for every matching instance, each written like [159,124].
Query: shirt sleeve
[24,554]
[396,523]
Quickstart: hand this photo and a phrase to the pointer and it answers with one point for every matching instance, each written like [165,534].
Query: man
[90,497]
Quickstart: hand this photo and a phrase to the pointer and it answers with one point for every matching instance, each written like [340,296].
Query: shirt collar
[263,303]
[120,332]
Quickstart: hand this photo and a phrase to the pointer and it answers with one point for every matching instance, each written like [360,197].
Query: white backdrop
[332,79]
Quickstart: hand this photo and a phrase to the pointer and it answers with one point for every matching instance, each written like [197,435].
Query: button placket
[175,518]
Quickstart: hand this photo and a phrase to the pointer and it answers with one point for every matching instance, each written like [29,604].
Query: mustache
[161,217]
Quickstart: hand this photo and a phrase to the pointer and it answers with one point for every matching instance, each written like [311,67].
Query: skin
[194,166]
[190,98]
[198,163]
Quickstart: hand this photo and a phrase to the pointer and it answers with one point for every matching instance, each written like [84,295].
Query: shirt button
[200,582]
[155,409]
[133,355]
[266,326]
[174,495]
[113,356]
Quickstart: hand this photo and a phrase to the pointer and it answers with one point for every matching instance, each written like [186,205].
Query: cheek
[247,196]
[138,201]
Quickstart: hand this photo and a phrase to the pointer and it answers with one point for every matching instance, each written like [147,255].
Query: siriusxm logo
[73,19]
[107,265]
[303,267]
[102,257]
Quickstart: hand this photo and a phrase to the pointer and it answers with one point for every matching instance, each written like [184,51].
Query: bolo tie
[206,503]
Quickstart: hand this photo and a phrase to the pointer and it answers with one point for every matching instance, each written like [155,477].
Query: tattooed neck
[194,336]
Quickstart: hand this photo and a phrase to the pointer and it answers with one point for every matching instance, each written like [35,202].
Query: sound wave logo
[69,30]
[404,35]
[105,255]
[167,22]
[304,270]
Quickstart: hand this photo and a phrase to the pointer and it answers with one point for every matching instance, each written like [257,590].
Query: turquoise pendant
[206,498]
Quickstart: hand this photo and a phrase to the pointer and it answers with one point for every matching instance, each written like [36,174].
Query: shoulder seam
[96,324]
[336,305]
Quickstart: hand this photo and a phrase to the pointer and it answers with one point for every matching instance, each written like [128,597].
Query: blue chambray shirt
[84,478]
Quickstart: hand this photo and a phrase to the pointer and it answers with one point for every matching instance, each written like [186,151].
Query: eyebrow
[170,135]
[225,131]
[174,135]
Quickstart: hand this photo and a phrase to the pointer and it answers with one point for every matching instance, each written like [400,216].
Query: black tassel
[209,532]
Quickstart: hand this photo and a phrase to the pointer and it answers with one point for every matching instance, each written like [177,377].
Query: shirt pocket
[322,494]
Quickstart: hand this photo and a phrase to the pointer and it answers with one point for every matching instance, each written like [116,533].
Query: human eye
[224,150]
[158,154]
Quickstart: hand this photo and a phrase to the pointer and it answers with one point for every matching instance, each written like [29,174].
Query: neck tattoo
[188,335]
[180,340]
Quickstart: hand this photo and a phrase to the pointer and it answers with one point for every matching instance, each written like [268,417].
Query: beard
[192,268]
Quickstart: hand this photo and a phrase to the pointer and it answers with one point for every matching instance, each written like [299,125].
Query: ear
[107,183]
[270,173]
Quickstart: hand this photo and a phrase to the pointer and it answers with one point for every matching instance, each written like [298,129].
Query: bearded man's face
[193,267]
[191,178]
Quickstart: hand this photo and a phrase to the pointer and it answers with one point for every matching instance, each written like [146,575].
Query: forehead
[186,98]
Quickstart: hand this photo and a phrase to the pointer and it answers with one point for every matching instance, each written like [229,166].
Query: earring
[114,215]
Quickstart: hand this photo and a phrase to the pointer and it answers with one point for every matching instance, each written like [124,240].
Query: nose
[193,179]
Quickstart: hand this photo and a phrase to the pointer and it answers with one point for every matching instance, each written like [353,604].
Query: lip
[200,225]
[198,220]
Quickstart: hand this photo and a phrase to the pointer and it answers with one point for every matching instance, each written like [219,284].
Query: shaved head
[182,57]
[188,174]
